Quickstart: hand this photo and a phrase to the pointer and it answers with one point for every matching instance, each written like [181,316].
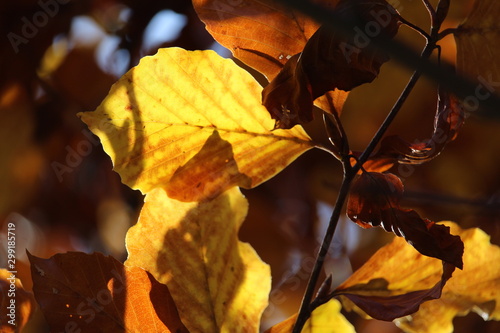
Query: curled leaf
[330,61]
[193,123]
[219,284]
[95,293]
[374,201]
[449,119]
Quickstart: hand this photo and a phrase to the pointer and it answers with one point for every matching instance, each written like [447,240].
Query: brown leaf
[95,293]
[371,194]
[16,303]
[449,119]
[330,61]
[374,201]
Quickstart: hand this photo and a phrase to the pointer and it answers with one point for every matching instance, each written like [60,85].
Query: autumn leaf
[324,319]
[450,116]
[95,293]
[477,50]
[17,304]
[191,122]
[475,288]
[330,61]
[374,201]
[265,36]
[218,283]
[398,279]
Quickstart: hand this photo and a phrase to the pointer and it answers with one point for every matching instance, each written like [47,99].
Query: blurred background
[60,57]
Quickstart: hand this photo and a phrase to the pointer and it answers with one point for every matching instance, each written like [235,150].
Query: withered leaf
[449,118]
[374,201]
[330,61]
[95,293]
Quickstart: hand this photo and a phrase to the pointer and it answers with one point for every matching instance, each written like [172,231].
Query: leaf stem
[307,307]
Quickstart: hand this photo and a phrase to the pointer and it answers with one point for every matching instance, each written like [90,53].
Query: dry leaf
[449,118]
[324,319]
[95,293]
[218,283]
[330,61]
[191,122]
[16,303]
[374,201]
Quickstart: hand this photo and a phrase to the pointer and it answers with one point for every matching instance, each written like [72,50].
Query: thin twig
[430,9]
[414,27]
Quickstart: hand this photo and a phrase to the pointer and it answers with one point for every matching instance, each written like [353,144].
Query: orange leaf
[95,293]
[16,303]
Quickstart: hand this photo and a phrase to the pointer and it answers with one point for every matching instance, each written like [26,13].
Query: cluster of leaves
[187,128]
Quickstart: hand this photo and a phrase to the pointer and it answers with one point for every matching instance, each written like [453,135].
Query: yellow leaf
[398,269]
[191,122]
[218,283]
[16,303]
[324,319]
[475,288]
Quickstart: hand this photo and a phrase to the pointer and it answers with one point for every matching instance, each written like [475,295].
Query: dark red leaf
[374,201]
[449,119]
[330,61]
[371,194]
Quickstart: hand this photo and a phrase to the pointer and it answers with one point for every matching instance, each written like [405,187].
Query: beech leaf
[475,288]
[96,293]
[449,118]
[330,61]
[477,50]
[191,122]
[17,303]
[374,201]
[265,36]
[218,283]
[324,319]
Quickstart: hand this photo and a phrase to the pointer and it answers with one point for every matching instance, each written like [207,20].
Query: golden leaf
[324,319]
[218,283]
[193,123]
[398,269]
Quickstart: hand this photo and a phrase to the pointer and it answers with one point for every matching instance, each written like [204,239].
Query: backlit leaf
[95,293]
[374,201]
[265,35]
[16,303]
[193,123]
[330,61]
[324,319]
[475,288]
[218,283]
